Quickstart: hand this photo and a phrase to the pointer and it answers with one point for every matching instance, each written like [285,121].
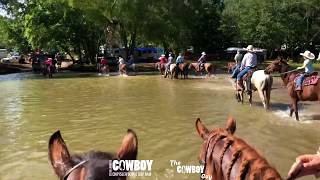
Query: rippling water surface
[95,112]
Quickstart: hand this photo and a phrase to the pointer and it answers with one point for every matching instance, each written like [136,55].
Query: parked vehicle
[12,57]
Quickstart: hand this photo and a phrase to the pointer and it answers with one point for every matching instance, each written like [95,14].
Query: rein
[289,71]
[65,177]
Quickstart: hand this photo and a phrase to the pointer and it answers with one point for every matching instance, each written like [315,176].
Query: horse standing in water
[310,91]
[226,157]
[123,69]
[48,69]
[161,67]
[92,165]
[208,67]
[183,70]
[261,82]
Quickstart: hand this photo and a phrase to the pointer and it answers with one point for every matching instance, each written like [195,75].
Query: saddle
[311,79]
[248,75]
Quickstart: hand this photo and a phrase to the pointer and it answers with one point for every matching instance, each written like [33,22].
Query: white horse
[261,82]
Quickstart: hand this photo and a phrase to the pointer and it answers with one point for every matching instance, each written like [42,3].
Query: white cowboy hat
[162,55]
[203,53]
[249,48]
[308,55]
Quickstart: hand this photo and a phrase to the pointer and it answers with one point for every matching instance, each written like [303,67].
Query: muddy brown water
[93,113]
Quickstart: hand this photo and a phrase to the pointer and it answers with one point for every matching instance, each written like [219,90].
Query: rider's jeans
[300,80]
[243,72]
[235,71]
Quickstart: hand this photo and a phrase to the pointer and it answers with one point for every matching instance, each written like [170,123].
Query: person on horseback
[103,62]
[202,60]
[49,62]
[163,60]
[249,62]
[238,57]
[170,61]
[307,66]
[179,60]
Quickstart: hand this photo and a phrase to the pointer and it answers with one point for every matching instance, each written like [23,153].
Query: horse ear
[58,154]
[201,129]
[231,125]
[129,147]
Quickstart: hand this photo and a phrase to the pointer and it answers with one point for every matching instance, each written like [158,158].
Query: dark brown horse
[48,69]
[91,165]
[309,93]
[160,67]
[226,157]
[183,70]
[208,68]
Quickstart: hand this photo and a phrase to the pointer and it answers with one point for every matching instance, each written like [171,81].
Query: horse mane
[250,163]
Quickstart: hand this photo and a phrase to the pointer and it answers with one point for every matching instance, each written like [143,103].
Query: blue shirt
[180,59]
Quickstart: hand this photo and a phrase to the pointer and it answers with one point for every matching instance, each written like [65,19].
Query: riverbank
[14,68]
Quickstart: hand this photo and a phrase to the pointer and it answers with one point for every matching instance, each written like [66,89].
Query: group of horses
[262,81]
[183,69]
[223,155]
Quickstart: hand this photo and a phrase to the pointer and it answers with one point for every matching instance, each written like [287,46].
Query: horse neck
[235,153]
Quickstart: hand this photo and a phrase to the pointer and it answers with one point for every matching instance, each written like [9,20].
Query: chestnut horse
[208,67]
[123,69]
[309,93]
[160,67]
[226,157]
[104,69]
[91,165]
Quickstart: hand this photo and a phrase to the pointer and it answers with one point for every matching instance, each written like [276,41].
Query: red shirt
[163,60]
[103,62]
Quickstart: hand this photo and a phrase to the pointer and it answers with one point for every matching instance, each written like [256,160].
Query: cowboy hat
[307,54]
[162,55]
[249,48]
[203,53]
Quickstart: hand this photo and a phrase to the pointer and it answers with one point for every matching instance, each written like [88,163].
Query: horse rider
[49,62]
[179,60]
[163,60]
[202,60]
[237,58]
[103,62]
[170,61]
[249,62]
[307,66]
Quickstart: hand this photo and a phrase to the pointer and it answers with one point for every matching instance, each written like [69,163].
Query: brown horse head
[227,157]
[278,65]
[91,165]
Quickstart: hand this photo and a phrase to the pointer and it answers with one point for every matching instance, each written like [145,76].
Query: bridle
[65,177]
[204,162]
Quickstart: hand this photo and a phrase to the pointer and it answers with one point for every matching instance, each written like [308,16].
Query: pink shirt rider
[163,60]
[103,62]
[49,62]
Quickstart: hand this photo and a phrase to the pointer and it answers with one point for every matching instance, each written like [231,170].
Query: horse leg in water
[295,108]
[263,98]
